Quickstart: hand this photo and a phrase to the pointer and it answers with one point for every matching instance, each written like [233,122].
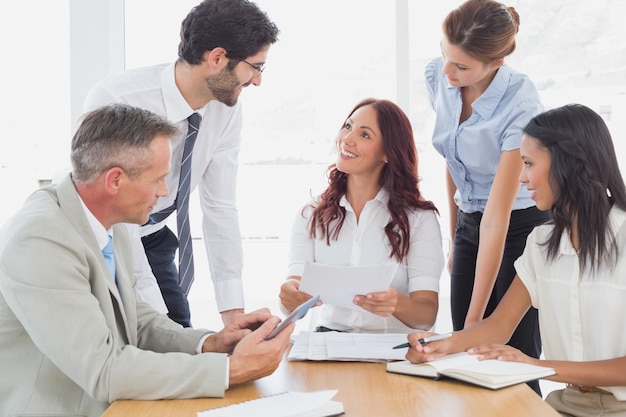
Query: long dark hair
[585,179]
[399,177]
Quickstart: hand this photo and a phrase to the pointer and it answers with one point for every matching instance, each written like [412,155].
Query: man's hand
[241,325]
[254,357]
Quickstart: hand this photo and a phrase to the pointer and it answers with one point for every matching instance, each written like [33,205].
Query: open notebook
[489,373]
[286,404]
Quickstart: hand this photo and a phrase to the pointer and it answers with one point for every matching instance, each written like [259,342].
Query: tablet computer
[294,316]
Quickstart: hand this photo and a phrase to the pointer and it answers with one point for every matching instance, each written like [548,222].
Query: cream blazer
[71,341]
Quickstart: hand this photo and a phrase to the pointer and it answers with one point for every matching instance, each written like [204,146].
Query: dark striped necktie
[185,249]
[181,205]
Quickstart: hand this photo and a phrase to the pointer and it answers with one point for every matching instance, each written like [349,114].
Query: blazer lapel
[125,271]
[70,204]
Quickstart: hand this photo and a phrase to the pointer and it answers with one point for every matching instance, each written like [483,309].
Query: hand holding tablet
[294,316]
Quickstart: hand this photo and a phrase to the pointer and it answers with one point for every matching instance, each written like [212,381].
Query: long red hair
[399,177]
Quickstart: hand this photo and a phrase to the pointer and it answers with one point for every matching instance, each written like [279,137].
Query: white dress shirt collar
[382,197]
[101,234]
[176,107]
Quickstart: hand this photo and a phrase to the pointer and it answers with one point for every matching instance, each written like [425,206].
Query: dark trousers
[161,247]
[526,337]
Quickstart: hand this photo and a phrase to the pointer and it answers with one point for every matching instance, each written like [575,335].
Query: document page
[365,346]
[315,403]
[337,285]
[340,346]
[309,346]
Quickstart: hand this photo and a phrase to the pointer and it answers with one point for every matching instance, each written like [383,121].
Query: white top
[366,243]
[580,315]
[213,171]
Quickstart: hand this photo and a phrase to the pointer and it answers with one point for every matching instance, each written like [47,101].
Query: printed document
[337,285]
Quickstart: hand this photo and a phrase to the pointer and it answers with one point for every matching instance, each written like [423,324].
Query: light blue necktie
[109,258]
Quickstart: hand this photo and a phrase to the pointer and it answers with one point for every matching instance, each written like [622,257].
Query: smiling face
[227,85]
[536,172]
[360,145]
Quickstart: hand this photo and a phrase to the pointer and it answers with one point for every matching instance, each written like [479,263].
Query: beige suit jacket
[71,342]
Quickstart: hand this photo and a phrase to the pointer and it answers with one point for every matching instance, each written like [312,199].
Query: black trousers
[526,337]
[161,247]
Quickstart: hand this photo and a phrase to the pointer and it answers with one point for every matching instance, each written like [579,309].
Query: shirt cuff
[229,294]
[226,384]
[199,350]
[201,342]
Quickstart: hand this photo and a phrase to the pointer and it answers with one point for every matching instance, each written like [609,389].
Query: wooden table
[365,389]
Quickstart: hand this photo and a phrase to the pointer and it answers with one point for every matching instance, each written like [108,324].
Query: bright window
[330,55]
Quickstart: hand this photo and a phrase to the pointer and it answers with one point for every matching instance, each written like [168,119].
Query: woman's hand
[419,353]
[291,296]
[501,352]
[380,303]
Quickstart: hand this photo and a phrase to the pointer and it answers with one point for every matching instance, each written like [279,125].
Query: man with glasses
[223,48]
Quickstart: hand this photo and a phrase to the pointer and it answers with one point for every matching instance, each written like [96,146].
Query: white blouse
[580,314]
[365,243]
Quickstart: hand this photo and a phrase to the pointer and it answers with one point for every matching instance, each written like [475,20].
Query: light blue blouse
[472,149]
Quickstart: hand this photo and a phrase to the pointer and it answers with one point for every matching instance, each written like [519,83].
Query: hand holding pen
[425,340]
[426,347]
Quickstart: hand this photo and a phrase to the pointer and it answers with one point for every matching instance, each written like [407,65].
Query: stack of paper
[339,346]
[286,404]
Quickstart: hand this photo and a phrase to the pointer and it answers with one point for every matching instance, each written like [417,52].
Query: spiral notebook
[286,404]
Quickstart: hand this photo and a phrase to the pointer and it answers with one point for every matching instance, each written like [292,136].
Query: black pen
[425,340]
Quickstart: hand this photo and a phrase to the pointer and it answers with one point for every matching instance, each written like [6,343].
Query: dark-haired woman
[573,269]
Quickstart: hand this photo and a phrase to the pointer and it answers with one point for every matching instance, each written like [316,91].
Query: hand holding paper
[383,303]
[337,285]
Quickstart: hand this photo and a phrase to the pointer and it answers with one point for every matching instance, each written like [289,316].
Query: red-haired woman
[372,213]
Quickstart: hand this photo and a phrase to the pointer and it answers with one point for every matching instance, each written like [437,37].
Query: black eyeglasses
[259,68]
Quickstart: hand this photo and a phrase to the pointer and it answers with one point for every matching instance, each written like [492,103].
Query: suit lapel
[125,279]
[70,204]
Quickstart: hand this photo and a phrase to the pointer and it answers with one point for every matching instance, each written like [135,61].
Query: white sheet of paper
[281,405]
[337,285]
[340,346]
[365,346]
[309,346]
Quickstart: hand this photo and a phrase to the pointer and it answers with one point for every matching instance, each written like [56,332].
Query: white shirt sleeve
[425,260]
[220,218]
[302,247]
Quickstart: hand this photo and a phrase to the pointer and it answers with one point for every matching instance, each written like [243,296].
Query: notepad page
[496,371]
[453,360]
[286,404]
[365,346]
